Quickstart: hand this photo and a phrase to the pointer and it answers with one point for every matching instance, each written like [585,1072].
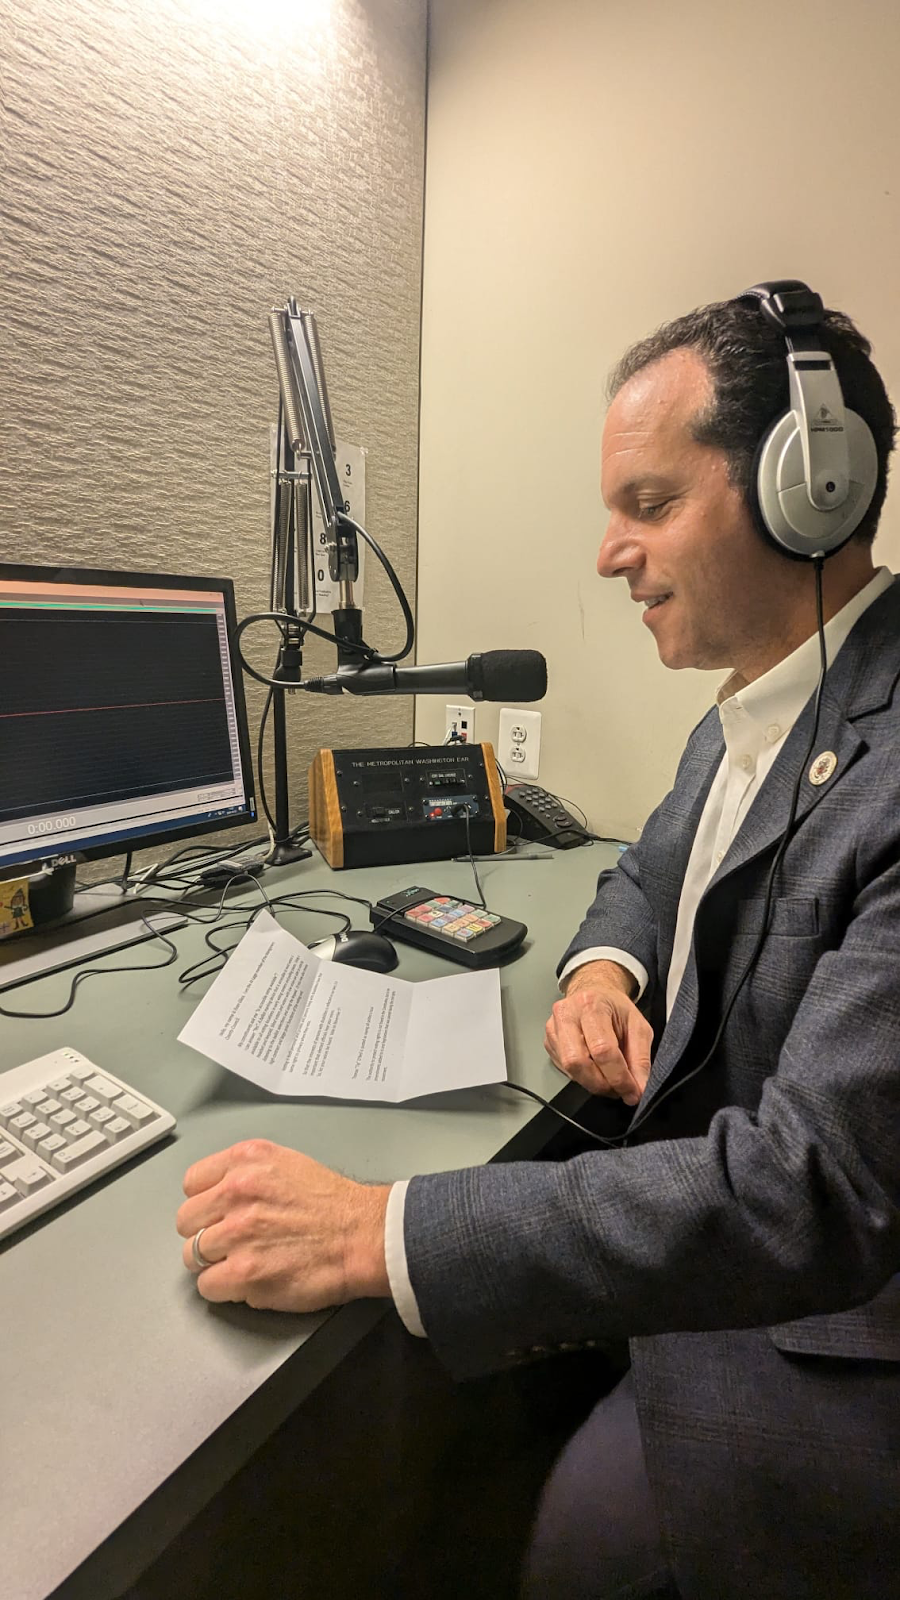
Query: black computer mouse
[358,947]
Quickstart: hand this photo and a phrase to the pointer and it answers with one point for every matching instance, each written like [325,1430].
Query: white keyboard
[63,1123]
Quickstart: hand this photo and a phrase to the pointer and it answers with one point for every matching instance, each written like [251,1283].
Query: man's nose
[619,551]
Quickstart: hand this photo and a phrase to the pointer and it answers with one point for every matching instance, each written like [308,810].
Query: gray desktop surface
[115,1371]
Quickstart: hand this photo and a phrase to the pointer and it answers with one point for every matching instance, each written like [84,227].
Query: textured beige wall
[171,169]
[593,169]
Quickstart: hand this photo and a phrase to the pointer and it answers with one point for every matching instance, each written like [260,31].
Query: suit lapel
[767,818]
[760,832]
[686,808]
[861,680]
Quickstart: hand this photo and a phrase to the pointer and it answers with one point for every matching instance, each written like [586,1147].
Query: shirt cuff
[607,952]
[395,1261]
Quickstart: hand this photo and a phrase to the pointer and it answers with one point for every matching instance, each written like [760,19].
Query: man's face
[680,532]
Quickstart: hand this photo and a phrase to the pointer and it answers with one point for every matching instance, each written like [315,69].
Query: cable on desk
[97,972]
[472,860]
[510,853]
[218,852]
[203,969]
[201,914]
[398,911]
[610,1144]
[588,838]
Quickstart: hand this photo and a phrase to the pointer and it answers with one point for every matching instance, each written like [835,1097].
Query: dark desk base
[390,1481]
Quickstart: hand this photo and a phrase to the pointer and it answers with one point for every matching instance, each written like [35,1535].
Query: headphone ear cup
[780,499]
[753,499]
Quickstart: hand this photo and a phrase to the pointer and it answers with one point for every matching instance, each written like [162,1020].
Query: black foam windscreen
[513,674]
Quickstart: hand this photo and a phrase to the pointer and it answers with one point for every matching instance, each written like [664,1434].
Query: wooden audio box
[417,803]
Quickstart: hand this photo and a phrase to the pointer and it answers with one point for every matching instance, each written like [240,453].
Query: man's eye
[649,512]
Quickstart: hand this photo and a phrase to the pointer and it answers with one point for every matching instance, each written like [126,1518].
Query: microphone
[494,675]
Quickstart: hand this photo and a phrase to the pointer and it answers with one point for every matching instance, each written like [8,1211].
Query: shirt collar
[775,700]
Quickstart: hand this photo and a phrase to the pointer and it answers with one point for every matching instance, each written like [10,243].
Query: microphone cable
[366,652]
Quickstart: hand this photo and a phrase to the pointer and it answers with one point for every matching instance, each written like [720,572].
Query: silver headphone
[817,467]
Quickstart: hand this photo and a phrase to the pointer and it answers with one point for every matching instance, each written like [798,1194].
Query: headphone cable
[640,1120]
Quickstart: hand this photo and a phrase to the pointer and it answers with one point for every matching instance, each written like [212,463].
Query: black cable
[190,974]
[639,1120]
[97,972]
[397,588]
[398,911]
[585,837]
[298,834]
[305,625]
[193,975]
[169,903]
[202,969]
[510,853]
[181,904]
[573,1123]
[221,853]
[337,894]
[289,902]
[183,907]
[472,861]
[281,618]
[259,763]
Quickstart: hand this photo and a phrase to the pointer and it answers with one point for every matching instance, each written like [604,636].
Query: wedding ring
[200,1260]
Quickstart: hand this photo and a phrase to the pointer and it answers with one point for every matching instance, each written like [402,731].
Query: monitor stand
[101,920]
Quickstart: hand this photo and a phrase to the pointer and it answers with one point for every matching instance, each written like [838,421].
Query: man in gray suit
[735,981]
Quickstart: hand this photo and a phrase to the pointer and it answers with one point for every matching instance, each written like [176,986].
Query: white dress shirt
[756,719]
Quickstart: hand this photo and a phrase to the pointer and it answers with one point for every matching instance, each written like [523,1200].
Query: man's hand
[282,1232]
[596,1034]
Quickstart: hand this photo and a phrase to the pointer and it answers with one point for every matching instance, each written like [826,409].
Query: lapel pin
[823,767]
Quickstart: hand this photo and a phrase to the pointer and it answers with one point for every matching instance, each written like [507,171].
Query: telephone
[536,814]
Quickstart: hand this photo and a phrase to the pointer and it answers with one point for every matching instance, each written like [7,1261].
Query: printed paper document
[296,1025]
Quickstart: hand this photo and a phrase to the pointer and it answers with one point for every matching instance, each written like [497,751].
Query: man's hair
[746,359]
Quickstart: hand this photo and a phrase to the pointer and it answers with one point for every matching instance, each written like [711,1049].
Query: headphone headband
[791,306]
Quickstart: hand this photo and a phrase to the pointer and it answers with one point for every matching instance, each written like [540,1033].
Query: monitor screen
[122,719]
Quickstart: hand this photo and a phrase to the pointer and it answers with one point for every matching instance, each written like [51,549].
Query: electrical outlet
[519,743]
[459,724]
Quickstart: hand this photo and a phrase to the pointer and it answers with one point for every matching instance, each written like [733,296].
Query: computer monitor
[122,717]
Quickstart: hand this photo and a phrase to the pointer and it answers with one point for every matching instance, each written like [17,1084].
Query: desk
[116,1374]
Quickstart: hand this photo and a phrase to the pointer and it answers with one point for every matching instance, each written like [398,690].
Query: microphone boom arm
[310,434]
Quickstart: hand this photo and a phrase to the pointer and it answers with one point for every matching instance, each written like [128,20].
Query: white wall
[594,168]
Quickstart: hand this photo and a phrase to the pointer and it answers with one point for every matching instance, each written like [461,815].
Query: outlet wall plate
[460,720]
[519,743]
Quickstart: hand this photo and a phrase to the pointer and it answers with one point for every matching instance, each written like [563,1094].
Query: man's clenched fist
[596,1034]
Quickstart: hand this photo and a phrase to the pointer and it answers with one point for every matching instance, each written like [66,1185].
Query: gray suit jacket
[754,1228]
